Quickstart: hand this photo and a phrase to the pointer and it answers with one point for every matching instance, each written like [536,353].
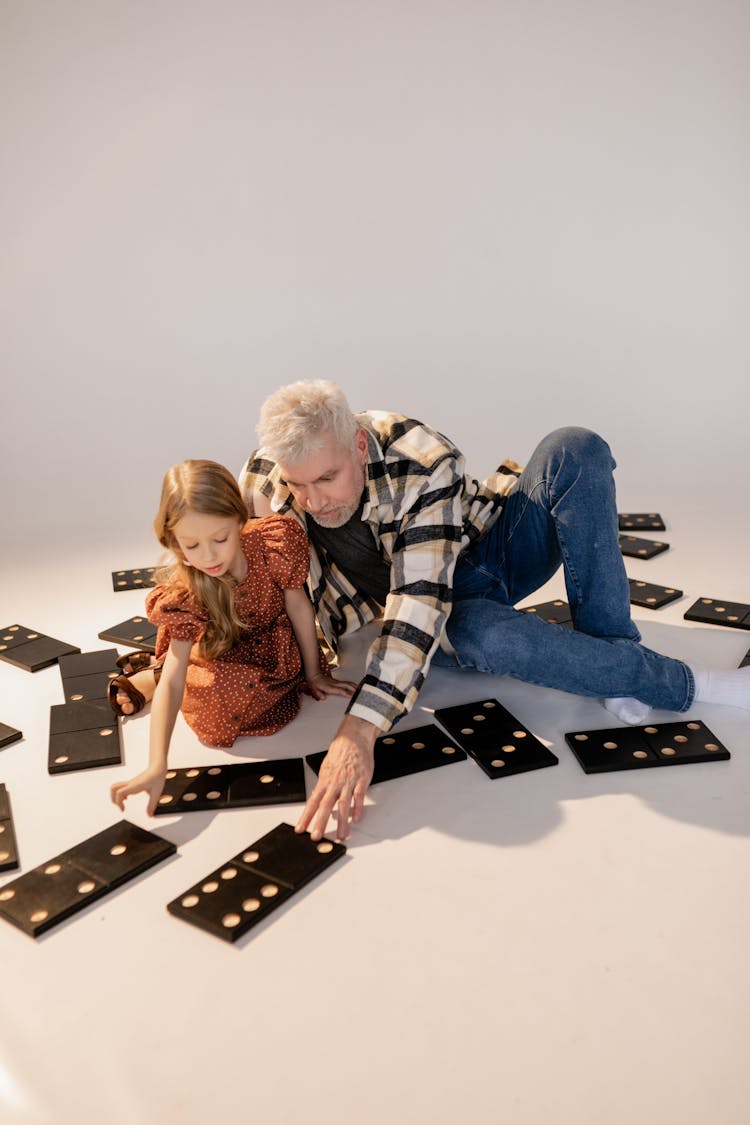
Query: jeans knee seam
[487,574]
[519,517]
[569,569]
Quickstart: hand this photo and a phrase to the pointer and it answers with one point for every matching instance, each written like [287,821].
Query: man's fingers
[342,783]
[359,800]
[322,800]
[307,814]
[344,811]
[324,811]
[311,807]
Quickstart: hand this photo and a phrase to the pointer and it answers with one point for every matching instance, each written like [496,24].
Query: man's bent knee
[582,445]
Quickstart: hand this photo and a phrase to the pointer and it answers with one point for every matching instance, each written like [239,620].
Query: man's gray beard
[343,516]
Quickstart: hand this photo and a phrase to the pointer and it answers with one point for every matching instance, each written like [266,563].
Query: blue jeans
[562,511]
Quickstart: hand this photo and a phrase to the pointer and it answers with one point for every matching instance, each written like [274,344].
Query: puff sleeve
[286,551]
[177,612]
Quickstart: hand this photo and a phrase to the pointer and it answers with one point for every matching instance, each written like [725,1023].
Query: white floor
[553,948]
[497,217]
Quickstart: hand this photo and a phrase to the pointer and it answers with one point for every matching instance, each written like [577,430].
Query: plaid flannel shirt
[423,509]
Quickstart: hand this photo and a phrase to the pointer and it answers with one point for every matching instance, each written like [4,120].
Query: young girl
[236,635]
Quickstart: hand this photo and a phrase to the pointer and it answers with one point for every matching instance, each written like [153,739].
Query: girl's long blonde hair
[209,489]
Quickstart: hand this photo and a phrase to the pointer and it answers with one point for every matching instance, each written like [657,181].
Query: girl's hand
[151,781]
[320,686]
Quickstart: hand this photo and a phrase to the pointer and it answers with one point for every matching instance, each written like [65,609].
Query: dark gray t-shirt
[355,551]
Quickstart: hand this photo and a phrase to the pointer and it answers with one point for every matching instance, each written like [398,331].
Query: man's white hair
[296,420]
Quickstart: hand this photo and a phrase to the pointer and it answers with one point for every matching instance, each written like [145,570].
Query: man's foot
[628,710]
[728,686]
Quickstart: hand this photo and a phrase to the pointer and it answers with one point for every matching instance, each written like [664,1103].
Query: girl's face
[211,544]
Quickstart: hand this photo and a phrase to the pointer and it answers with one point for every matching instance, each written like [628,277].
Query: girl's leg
[145,682]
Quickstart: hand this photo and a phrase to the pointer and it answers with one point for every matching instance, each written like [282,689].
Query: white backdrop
[500,217]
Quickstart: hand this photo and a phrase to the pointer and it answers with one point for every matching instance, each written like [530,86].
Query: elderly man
[399,531]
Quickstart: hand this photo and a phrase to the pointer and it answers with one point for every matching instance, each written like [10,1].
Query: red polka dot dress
[253,688]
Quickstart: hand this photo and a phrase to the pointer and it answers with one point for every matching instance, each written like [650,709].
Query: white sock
[628,710]
[717,685]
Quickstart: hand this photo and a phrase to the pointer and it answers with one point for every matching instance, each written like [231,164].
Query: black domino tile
[658,744]
[82,715]
[494,738]
[59,888]
[84,749]
[31,650]
[636,548]
[12,636]
[556,612]
[5,812]
[87,663]
[267,783]
[120,852]
[289,857]
[89,688]
[193,789]
[716,611]
[87,675]
[229,901]
[134,632]
[8,846]
[406,752]
[607,750]
[245,890]
[640,521]
[650,596]
[237,785]
[47,895]
[692,741]
[9,735]
[83,735]
[138,579]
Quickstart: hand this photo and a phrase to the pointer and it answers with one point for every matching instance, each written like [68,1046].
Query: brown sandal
[136,697]
[137,660]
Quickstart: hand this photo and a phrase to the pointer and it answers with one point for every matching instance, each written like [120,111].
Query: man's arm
[345,773]
[255,484]
[423,560]
[416,610]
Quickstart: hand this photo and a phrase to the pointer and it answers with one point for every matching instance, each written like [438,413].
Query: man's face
[328,484]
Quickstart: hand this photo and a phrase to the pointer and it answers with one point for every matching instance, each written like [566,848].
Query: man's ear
[361,443]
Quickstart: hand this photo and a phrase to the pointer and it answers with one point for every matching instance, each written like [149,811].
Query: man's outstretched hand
[345,773]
